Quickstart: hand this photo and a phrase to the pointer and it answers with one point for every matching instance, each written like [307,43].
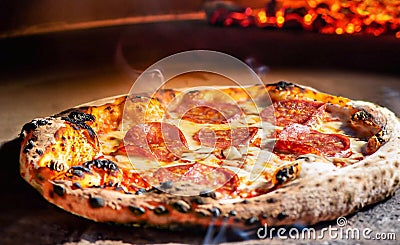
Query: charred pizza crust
[318,194]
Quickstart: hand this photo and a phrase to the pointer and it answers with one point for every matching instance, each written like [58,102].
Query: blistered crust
[315,196]
[52,145]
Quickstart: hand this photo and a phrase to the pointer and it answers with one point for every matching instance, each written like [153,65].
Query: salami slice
[162,141]
[286,112]
[222,139]
[211,178]
[214,113]
[301,139]
[134,181]
[213,107]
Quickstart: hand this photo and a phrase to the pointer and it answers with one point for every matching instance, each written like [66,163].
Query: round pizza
[196,156]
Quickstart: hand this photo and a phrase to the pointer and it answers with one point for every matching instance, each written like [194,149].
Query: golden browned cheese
[107,117]
[165,96]
[141,109]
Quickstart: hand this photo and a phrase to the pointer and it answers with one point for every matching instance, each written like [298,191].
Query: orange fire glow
[375,17]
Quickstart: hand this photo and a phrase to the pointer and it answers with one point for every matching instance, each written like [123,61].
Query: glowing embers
[374,17]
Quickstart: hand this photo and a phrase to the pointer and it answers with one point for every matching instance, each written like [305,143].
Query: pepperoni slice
[287,112]
[222,139]
[214,113]
[134,181]
[300,139]
[207,107]
[223,180]
[162,141]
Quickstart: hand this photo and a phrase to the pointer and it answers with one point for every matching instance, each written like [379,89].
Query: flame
[374,17]
[262,17]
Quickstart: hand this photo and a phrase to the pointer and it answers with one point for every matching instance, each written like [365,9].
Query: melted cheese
[254,166]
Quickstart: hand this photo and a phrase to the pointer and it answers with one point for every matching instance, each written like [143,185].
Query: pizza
[221,155]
